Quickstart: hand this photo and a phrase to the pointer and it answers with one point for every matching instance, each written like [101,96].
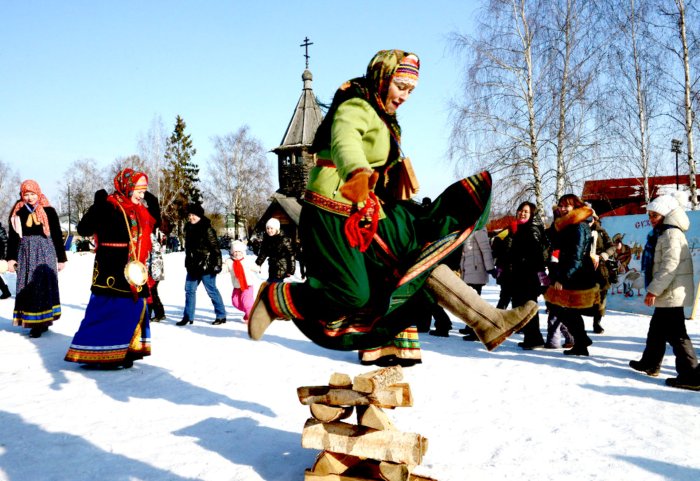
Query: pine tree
[181,179]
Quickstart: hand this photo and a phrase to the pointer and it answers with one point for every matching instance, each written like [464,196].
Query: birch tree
[152,146]
[9,189]
[239,180]
[574,42]
[633,81]
[498,121]
[683,44]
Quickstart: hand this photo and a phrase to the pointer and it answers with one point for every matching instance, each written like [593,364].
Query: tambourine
[3,266]
[136,273]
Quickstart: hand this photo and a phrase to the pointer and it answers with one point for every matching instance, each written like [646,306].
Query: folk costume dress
[36,244]
[116,326]
[365,262]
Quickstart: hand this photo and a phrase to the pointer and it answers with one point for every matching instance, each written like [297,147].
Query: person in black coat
[528,255]
[203,263]
[279,252]
[4,290]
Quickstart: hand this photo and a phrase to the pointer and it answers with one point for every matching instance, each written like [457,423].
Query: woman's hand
[11,266]
[358,186]
[650,299]
[558,286]
[61,265]
[596,261]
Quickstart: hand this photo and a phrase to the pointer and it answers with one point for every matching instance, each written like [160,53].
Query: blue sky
[84,79]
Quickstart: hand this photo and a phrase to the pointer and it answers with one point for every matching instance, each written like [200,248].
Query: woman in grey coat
[668,272]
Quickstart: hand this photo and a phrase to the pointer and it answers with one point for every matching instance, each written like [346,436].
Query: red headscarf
[139,220]
[39,212]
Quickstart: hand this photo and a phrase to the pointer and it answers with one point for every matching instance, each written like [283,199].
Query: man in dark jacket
[4,290]
[203,263]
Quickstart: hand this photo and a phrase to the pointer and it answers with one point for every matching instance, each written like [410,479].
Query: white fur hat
[274,223]
[238,246]
[663,204]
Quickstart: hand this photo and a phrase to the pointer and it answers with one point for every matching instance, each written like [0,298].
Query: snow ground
[212,405]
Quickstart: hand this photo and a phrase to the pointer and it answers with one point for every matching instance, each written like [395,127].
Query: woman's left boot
[491,325]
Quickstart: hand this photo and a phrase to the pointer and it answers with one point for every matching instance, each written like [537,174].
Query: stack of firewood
[371,450]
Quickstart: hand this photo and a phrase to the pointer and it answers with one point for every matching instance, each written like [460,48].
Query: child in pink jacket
[243,276]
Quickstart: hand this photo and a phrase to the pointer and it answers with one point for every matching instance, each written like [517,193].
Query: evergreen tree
[181,179]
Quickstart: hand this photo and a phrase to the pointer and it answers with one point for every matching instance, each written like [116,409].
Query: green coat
[355,119]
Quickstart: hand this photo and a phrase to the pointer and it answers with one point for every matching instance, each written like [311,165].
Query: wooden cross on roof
[306,48]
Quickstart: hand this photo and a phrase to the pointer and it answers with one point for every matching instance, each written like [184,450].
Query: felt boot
[260,315]
[491,325]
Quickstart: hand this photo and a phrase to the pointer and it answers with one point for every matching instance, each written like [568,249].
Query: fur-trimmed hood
[678,218]
[576,216]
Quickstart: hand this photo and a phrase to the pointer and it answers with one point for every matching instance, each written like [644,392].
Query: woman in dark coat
[35,250]
[528,255]
[115,330]
[574,288]
[279,252]
[203,263]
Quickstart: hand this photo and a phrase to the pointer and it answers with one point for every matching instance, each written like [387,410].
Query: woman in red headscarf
[35,251]
[115,330]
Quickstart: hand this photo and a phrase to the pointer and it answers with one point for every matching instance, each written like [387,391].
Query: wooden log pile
[371,450]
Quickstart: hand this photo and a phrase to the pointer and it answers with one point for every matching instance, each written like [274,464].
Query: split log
[326,413]
[418,477]
[394,472]
[361,441]
[333,463]
[374,380]
[311,476]
[339,379]
[373,417]
[398,395]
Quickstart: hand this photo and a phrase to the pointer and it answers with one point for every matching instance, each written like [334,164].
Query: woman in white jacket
[668,271]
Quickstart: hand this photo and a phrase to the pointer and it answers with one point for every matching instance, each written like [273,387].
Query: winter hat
[274,223]
[663,205]
[238,246]
[195,209]
[407,70]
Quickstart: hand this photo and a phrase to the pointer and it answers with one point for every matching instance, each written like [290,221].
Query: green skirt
[356,300]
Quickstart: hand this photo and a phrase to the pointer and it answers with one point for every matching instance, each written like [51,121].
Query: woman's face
[523,214]
[565,208]
[655,218]
[139,190]
[271,230]
[398,94]
[238,255]
[30,198]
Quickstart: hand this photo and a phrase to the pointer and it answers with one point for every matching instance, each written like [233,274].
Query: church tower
[294,162]
[293,157]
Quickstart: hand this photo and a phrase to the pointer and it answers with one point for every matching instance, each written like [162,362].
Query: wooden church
[293,158]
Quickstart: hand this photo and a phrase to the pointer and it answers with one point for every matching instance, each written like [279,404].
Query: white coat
[672,275]
[477,259]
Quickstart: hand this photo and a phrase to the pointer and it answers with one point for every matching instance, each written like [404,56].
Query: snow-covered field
[210,404]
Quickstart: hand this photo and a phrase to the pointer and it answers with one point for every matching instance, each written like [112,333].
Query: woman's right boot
[492,326]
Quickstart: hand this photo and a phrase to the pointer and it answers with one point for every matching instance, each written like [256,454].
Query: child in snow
[242,269]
